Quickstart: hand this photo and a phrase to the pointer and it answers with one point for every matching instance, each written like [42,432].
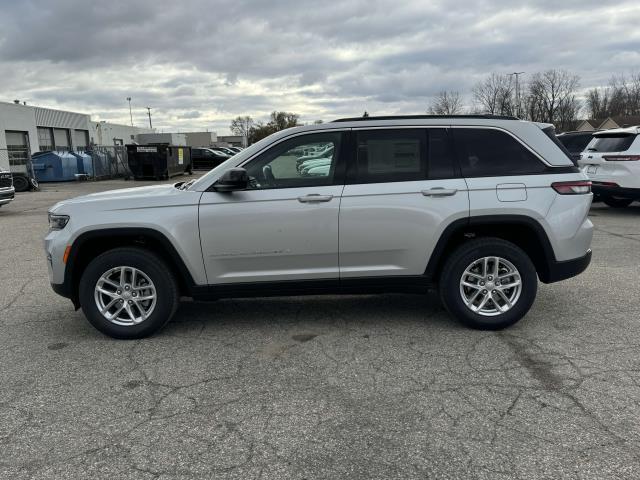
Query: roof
[628,130]
[417,117]
[576,132]
[626,119]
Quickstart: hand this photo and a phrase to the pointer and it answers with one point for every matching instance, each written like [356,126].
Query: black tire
[20,183]
[615,202]
[464,256]
[154,268]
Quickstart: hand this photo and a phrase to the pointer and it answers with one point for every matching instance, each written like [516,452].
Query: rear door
[402,190]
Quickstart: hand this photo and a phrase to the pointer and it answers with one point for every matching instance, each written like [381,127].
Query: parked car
[207,158]
[397,210]
[7,191]
[612,162]
[575,142]
[235,149]
[226,150]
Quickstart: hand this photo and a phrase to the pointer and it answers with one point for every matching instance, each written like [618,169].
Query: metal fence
[107,162]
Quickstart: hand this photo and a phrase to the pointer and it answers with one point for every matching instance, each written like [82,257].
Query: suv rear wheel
[616,202]
[128,293]
[488,283]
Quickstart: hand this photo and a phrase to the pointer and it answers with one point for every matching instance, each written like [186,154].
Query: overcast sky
[200,63]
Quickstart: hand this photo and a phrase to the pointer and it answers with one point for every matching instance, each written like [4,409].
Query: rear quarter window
[484,152]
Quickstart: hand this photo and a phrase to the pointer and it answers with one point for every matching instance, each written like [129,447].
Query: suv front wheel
[128,293]
[488,283]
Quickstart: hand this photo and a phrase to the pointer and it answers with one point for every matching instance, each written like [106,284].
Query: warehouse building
[26,128]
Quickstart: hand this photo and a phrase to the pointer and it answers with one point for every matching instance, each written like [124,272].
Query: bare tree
[446,103]
[620,97]
[551,98]
[494,95]
[625,94]
[598,103]
[242,126]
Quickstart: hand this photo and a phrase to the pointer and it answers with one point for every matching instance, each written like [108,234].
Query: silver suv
[479,207]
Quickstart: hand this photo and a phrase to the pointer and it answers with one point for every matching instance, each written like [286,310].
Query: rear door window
[485,152]
[402,155]
[619,142]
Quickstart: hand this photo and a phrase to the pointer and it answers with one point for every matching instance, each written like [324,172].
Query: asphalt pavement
[350,387]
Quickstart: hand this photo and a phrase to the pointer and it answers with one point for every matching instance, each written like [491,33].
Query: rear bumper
[569,268]
[615,190]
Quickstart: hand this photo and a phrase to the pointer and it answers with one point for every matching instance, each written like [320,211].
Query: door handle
[439,192]
[314,197]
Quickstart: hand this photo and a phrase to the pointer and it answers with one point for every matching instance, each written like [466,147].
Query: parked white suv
[479,206]
[612,161]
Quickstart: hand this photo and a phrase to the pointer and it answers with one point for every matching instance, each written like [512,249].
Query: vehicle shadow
[312,311]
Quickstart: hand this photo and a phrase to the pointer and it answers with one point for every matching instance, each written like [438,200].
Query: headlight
[58,222]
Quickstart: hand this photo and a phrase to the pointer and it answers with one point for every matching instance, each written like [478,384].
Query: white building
[26,127]
[179,139]
[201,139]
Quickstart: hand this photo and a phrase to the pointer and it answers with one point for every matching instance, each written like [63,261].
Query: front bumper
[569,268]
[6,195]
[612,190]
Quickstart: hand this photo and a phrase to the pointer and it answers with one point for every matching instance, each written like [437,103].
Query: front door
[285,226]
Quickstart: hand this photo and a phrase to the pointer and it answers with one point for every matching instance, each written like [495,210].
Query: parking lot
[321,387]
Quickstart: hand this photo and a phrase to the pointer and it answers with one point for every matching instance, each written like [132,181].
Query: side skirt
[418,284]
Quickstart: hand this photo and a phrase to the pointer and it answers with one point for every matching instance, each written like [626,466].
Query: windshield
[206,179]
[575,143]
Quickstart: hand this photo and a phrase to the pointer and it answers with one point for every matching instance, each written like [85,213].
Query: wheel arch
[525,232]
[94,242]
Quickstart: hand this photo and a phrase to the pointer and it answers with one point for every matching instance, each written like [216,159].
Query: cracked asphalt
[371,387]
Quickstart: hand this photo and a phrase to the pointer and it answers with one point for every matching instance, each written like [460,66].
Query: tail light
[621,158]
[572,188]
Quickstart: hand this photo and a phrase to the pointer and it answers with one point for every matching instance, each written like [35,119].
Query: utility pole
[149,113]
[130,114]
[517,75]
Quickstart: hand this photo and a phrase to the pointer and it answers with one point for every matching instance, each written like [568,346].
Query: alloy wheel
[125,296]
[490,286]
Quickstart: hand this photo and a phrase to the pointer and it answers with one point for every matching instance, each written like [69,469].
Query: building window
[61,138]
[80,139]
[45,139]
[17,147]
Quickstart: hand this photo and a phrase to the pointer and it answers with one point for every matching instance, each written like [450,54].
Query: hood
[132,197]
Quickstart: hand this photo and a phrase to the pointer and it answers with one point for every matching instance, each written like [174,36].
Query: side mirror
[232,179]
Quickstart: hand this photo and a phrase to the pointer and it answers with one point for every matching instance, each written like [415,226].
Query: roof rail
[417,117]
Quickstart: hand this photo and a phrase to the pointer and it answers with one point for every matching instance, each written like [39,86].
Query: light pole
[130,114]
[149,113]
[517,75]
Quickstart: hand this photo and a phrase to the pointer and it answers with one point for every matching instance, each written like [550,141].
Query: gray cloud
[199,63]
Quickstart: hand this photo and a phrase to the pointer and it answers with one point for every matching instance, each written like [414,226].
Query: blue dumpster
[85,164]
[55,166]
